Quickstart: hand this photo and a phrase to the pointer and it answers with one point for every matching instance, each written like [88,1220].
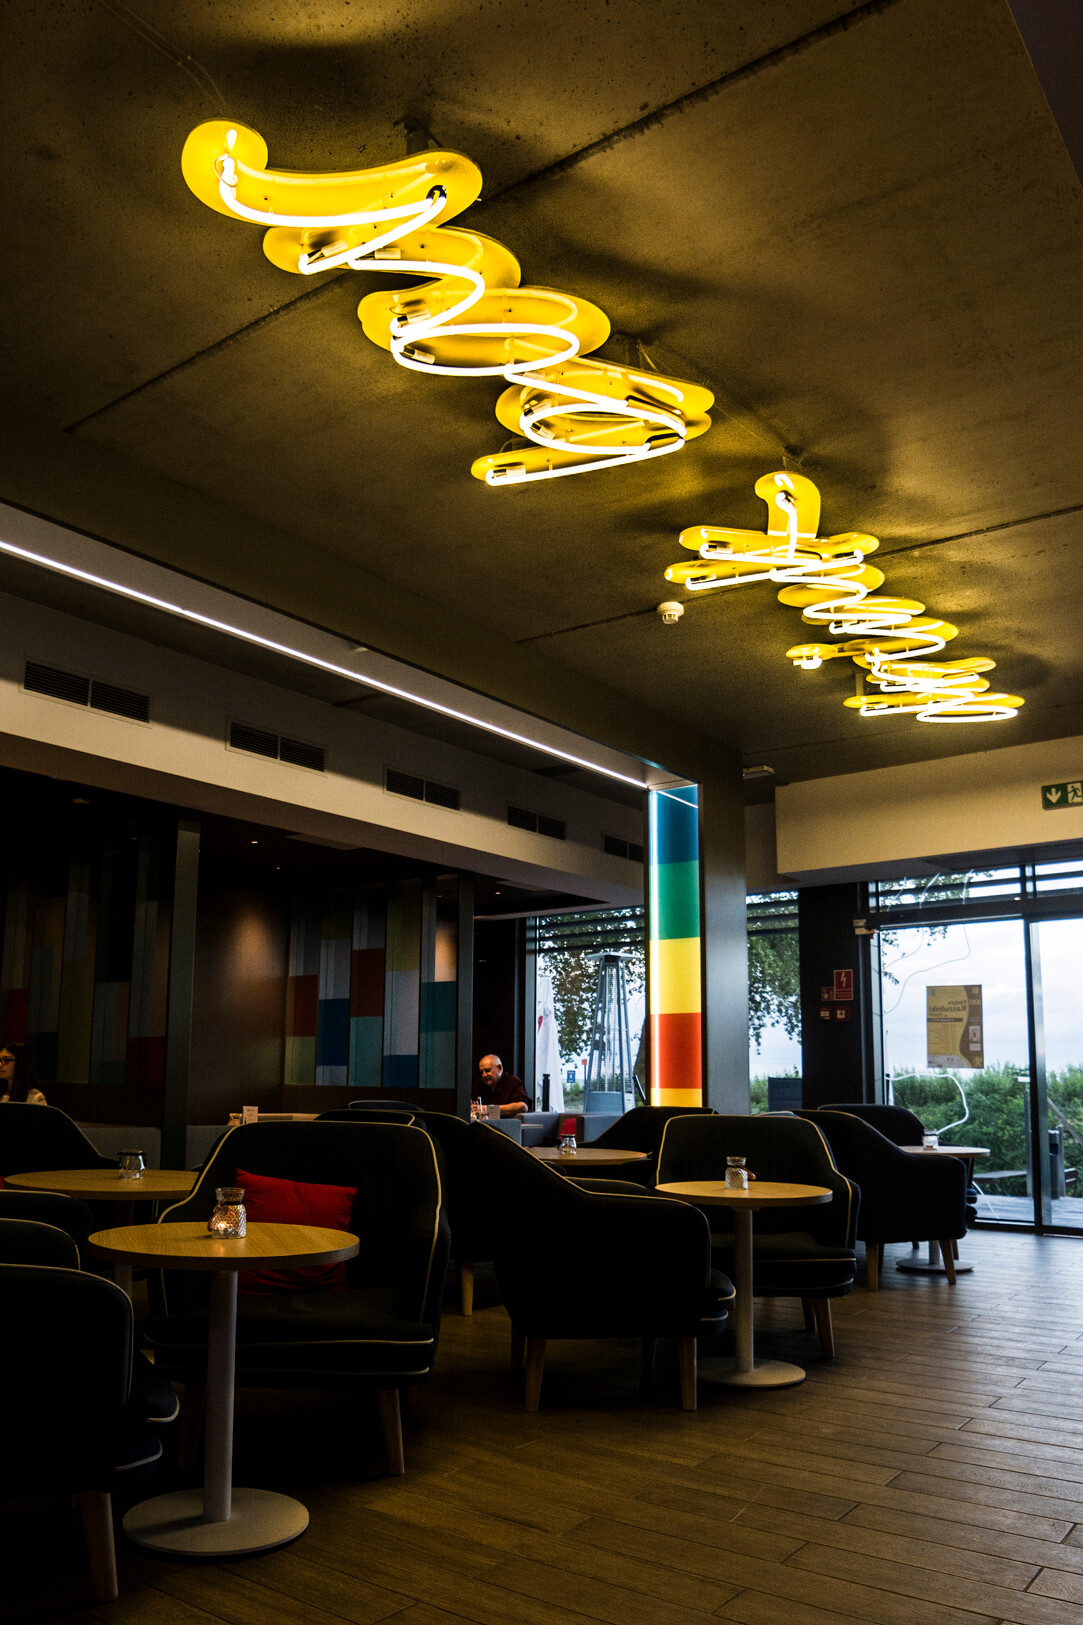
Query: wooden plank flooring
[931,1475]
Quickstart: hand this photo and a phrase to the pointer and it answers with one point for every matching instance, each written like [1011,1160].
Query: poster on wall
[953,1026]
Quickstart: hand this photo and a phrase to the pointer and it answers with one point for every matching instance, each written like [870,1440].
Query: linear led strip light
[94,577]
[890,639]
[472,319]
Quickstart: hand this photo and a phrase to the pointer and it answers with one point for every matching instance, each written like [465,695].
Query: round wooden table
[220,1521]
[587,1156]
[106,1185]
[745,1372]
[933,1262]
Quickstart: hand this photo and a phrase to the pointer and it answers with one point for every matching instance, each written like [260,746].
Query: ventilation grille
[76,690]
[538,823]
[408,784]
[119,702]
[616,848]
[298,754]
[259,742]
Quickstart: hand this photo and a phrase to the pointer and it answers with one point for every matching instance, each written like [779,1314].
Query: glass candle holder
[131,1165]
[228,1219]
[568,1147]
[930,1140]
[736,1174]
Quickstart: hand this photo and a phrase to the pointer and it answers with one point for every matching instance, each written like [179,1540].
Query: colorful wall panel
[673,919]
[150,964]
[368,967]
[333,1010]
[372,988]
[402,986]
[77,977]
[85,961]
[439,992]
[302,990]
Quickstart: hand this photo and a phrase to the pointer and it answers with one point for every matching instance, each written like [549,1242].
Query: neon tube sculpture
[890,639]
[473,319]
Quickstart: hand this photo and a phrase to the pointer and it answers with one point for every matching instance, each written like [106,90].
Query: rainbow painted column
[673,920]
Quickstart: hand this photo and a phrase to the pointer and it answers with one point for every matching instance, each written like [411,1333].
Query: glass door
[957,1050]
[1057,958]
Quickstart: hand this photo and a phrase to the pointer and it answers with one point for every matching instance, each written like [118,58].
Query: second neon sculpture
[891,640]
[473,319]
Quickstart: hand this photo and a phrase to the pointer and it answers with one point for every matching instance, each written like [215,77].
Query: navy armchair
[380,1331]
[71,1420]
[804,1252]
[576,1261]
[903,1198]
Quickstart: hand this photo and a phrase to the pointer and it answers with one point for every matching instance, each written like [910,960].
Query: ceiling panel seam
[988,530]
[703,93]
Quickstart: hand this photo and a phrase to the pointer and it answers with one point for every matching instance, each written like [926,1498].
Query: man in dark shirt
[499,1088]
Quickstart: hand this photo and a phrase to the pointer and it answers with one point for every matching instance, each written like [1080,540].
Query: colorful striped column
[673,917]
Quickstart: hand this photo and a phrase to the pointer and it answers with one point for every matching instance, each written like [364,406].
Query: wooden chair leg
[193,1415]
[872,1265]
[686,1350]
[809,1314]
[949,1261]
[96,1511]
[466,1288]
[535,1365]
[825,1326]
[518,1349]
[954,1248]
[391,1424]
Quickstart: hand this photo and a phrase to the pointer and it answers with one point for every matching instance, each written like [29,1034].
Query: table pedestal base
[931,1264]
[764,1374]
[258,1521]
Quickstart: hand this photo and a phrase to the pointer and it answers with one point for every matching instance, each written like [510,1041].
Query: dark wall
[498,992]
[841,1058]
[242,942]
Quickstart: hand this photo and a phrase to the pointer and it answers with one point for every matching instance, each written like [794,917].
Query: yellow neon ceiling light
[831,582]
[473,319]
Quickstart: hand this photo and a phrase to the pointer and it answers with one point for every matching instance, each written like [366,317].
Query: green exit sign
[1062,795]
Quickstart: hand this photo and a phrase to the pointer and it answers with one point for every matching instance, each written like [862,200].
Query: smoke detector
[670,612]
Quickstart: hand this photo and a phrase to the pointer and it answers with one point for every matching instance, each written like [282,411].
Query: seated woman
[18,1076]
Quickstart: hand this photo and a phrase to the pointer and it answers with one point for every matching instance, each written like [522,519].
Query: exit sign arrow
[1068,794]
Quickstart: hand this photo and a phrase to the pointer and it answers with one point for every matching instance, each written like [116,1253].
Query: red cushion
[287,1201]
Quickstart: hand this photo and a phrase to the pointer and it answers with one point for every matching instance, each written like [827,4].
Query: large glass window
[955,1006]
[592,1004]
[774,1001]
[1058,960]
[956,1049]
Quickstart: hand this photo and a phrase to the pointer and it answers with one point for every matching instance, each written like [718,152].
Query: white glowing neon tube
[891,638]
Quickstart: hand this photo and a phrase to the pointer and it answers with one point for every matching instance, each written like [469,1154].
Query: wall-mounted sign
[844,986]
[953,1025]
[1055,796]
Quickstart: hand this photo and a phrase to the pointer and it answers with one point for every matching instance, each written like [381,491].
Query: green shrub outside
[997,1097]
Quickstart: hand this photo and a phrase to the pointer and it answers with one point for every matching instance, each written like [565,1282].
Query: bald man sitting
[499,1088]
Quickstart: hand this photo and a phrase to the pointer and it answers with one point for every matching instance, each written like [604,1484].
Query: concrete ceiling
[857,224]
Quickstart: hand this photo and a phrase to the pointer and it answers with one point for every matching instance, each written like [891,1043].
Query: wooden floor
[931,1475]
